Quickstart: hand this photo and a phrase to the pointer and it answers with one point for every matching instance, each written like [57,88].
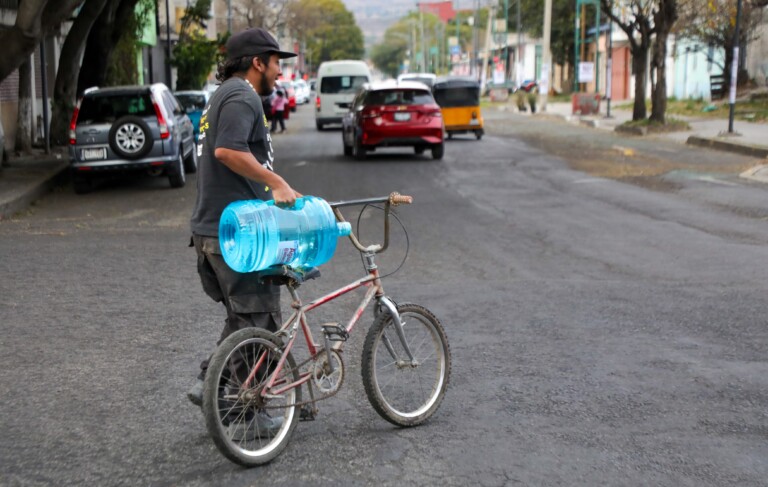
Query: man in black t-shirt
[236,160]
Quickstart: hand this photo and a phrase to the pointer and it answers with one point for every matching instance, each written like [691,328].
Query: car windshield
[334,85]
[106,108]
[399,97]
[191,101]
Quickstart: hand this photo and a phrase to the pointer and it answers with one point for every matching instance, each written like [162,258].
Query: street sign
[455,50]
[586,72]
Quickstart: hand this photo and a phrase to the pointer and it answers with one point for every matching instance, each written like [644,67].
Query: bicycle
[253,372]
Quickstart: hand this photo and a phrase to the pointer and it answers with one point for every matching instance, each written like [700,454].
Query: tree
[24,115]
[194,55]
[64,90]
[267,14]
[327,29]
[664,17]
[532,22]
[116,19]
[713,23]
[638,27]
[34,19]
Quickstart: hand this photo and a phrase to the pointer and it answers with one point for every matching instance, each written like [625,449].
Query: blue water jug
[255,234]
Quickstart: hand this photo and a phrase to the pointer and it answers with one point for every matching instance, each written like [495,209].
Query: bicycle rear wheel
[248,429]
[405,393]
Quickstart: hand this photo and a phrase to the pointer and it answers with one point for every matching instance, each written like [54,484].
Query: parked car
[130,128]
[302,91]
[193,102]
[337,84]
[389,114]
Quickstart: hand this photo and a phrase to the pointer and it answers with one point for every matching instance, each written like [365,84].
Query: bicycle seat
[283,274]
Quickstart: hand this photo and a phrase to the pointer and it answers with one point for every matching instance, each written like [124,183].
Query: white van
[337,84]
[426,78]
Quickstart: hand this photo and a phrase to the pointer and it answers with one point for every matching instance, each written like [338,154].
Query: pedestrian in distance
[279,104]
[236,162]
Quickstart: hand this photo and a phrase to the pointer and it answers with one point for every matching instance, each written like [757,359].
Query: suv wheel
[438,150]
[190,163]
[176,173]
[130,137]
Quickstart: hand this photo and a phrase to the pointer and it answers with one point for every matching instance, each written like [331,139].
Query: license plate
[402,116]
[474,121]
[92,154]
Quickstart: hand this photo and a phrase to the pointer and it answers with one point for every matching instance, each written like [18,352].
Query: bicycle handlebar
[394,199]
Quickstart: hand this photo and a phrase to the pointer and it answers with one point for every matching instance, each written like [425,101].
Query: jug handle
[297,205]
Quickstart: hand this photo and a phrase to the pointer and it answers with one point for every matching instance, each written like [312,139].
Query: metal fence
[10,4]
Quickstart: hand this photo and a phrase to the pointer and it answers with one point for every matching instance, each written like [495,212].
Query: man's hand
[284,196]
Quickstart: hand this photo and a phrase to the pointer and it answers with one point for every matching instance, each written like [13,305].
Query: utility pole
[609,67]
[734,69]
[168,43]
[491,20]
[423,44]
[519,69]
[546,61]
[229,16]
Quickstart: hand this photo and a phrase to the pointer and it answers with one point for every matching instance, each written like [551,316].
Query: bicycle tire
[228,416]
[429,379]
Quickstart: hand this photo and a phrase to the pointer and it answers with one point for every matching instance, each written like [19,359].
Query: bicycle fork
[392,309]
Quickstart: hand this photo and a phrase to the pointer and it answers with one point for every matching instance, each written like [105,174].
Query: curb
[23,197]
[757,173]
[723,145]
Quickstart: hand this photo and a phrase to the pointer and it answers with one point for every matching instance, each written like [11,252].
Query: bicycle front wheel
[246,427]
[405,392]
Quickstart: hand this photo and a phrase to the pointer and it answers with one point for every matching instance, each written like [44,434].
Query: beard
[264,88]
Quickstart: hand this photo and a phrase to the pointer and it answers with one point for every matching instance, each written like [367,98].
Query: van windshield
[335,85]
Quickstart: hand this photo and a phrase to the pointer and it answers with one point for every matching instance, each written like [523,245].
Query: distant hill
[375,16]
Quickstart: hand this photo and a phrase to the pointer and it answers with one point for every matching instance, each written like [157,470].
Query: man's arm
[246,165]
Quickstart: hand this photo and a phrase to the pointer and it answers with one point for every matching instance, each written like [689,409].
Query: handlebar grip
[400,199]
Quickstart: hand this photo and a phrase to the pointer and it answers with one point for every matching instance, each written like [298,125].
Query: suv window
[399,97]
[334,85]
[106,108]
[190,101]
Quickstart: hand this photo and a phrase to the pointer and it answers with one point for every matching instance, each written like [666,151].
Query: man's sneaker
[261,426]
[195,394]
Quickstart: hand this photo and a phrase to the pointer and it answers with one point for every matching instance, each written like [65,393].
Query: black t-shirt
[234,119]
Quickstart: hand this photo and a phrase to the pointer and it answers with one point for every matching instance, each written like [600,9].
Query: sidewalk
[25,179]
[749,139]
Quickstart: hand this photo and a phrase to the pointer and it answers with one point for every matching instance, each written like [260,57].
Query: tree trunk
[64,92]
[639,65]
[33,19]
[101,43]
[24,125]
[659,94]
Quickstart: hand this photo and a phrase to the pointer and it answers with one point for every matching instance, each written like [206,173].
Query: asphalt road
[604,331]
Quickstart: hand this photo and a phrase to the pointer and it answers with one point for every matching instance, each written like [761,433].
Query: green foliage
[123,69]
[532,22]
[404,35]
[330,31]
[195,56]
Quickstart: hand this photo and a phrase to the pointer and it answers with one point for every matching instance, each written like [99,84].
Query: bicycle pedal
[307,413]
[335,333]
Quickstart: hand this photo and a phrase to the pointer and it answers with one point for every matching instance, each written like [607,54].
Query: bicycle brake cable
[407,240]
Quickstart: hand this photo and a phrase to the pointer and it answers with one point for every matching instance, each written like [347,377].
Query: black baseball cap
[254,41]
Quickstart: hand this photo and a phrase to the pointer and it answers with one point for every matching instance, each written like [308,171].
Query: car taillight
[370,113]
[164,134]
[317,102]
[436,113]
[73,124]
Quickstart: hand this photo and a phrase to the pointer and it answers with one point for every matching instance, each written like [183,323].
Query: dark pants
[278,117]
[248,301]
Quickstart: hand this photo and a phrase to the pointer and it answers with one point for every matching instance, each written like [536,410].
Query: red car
[392,114]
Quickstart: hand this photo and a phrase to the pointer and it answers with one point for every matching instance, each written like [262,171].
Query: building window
[9,4]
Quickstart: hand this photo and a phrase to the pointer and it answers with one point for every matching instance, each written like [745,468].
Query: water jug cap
[345,228]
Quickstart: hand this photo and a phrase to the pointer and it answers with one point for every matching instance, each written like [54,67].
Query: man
[236,163]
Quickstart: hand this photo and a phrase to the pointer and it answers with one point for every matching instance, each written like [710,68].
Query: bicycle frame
[277,385]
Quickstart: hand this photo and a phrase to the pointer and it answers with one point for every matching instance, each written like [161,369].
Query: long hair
[228,68]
